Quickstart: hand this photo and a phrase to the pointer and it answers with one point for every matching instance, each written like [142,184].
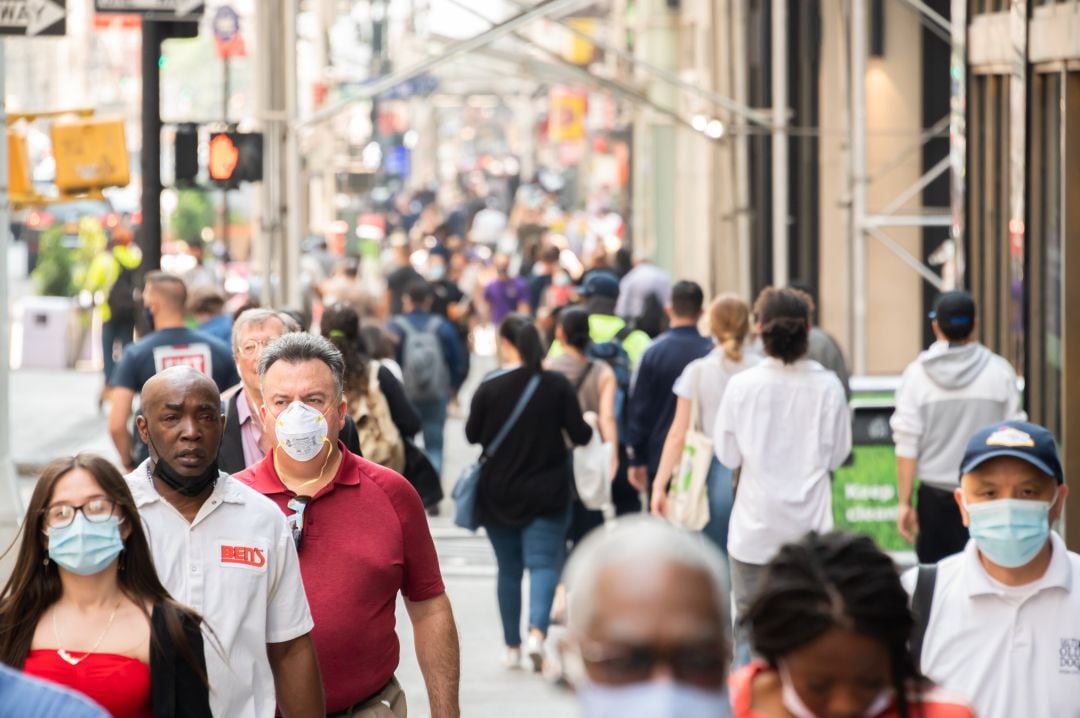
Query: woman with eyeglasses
[831,623]
[84,607]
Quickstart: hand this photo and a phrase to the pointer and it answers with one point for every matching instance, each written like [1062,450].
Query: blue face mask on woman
[1010,532]
[86,547]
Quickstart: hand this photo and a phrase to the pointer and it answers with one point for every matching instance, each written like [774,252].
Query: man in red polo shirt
[361,534]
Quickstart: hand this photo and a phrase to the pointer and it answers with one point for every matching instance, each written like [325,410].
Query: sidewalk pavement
[54,413]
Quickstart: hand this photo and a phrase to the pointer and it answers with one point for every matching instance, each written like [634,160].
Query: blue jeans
[113,331]
[721,499]
[540,547]
[433,422]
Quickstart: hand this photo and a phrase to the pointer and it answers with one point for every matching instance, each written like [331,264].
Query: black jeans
[941,528]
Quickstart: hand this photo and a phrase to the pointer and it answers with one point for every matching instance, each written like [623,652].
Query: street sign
[33,17]
[155,9]
[227,37]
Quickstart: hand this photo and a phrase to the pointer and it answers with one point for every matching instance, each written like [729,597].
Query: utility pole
[150,156]
[10,503]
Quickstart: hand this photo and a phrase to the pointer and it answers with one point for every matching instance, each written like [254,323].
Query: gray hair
[258,317]
[638,541]
[296,347]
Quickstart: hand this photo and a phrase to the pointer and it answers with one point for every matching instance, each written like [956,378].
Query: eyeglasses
[252,347]
[694,663]
[297,504]
[97,510]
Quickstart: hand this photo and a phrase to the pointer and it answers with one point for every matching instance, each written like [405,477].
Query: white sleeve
[684,386]
[1013,412]
[906,421]
[725,443]
[287,613]
[908,579]
[841,425]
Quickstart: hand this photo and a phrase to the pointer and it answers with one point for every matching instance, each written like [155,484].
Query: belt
[346,712]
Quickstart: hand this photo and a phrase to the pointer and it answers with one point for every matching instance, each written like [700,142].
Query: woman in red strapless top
[119,684]
[84,607]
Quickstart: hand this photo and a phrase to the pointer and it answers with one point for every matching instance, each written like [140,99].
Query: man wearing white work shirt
[227,552]
[999,623]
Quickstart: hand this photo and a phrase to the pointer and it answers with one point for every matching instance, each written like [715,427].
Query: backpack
[380,440]
[122,295]
[614,355]
[427,377]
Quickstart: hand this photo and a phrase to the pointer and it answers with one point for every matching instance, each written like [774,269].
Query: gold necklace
[285,479]
[72,659]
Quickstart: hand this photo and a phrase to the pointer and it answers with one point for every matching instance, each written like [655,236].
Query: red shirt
[931,702]
[119,684]
[365,538]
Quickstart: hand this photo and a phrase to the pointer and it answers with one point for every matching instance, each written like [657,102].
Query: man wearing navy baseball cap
[999,623]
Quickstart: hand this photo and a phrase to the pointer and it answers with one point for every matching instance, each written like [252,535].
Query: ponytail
[729,322]
[519,330]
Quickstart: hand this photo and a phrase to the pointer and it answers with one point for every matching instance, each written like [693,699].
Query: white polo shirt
[236,565]
[1011,651]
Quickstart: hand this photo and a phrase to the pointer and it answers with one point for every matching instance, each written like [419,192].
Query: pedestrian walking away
[831,623]
[786,424]
[648,626]
[84,607]
[704,381]
[950,391]
[170,344]
[652,403]
[226,551]
[111,279]
[433,362]
[596,387]
[523,498]
[999,622]
[383,415]
[362,539]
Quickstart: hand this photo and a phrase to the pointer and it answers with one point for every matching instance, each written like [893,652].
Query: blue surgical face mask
[652,699]
[86,547]
[1010,532]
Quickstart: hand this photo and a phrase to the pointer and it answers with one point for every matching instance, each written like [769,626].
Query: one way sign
[33,17]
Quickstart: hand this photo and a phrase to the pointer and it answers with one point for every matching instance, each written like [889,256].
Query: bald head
[181,421]
[175,384]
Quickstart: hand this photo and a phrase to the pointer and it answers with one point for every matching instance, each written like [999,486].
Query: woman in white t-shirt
[729,323]
[786,423]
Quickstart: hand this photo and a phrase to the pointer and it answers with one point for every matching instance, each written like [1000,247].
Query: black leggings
[941,528]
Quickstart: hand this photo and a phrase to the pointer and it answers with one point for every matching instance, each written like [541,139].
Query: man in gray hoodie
[949,392]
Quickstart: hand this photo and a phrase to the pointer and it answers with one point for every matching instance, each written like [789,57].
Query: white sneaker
[534,649]
[512,659]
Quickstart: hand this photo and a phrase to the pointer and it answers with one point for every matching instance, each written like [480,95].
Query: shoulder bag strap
[581,379]
[530,389]
[695,399]
[921,602]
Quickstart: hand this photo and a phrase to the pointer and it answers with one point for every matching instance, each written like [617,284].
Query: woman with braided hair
[831,624]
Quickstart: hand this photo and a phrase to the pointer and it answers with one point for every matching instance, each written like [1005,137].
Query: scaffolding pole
[780,167]
[858,185]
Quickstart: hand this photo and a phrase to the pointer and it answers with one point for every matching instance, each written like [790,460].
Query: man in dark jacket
[652,401]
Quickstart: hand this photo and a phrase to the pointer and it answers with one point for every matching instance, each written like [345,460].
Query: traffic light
[186,147]
[235,157]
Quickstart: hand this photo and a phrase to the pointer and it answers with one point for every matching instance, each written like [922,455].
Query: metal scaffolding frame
[865,223]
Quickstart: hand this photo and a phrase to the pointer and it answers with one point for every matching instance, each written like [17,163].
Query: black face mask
[185,485]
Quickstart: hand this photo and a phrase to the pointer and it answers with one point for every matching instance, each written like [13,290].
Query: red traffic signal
[235,157]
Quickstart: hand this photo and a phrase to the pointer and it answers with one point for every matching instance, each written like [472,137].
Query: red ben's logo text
[243,555]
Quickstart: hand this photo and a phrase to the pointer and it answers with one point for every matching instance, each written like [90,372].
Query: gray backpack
[427,377]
